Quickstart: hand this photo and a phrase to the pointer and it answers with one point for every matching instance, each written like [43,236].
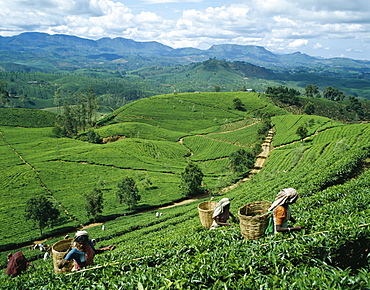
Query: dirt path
[260,161]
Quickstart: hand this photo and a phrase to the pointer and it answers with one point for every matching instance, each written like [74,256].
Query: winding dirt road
[260,161]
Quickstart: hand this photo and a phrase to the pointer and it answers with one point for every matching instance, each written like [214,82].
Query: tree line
[290,97]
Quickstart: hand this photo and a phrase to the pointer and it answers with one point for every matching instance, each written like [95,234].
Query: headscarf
[220,206]
[81,235]
[285,196]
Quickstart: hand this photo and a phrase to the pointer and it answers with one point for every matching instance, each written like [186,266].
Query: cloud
[169,1]
[298,43]
[317,46]
[279,25]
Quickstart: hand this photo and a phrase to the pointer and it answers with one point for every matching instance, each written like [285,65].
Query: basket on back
[205,210]
[254,218]
[59,250]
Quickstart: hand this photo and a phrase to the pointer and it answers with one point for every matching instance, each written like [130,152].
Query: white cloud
[317,46]
[168,1]
[298,43]
[279,25]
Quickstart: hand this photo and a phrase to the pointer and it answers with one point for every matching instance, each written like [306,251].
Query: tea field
[329,169]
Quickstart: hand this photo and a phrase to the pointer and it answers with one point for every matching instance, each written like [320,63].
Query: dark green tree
[42,211]
[94,203]
[128,192]
[309,109]
[311,90]
[217,88]
[238,104]
[333,94]
[191,180]
[355,106]
[69,121]
[4,94]
[302,132]
[93,137]
[241,161]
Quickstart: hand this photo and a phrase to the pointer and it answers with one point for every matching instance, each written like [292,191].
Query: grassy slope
[177,253]
[66,168]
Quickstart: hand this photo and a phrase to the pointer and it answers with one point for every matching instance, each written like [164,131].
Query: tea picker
[281,210]
[82,252]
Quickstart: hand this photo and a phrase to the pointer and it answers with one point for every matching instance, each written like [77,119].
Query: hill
[64,52]
[329,169]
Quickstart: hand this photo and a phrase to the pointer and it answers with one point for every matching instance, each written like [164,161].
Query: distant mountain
[46,52]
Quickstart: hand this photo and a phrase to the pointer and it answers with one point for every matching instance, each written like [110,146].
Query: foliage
[302,131]
[42,211]
[79,116]
[312,91]
[309,108]
[191,180]
[284,94]
[238,104]
[128,193]
[356,106]
[94,203]
[4,94]
[93,137]
[333,94]
[241,161]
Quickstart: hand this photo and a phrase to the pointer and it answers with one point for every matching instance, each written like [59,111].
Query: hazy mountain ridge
[81,52]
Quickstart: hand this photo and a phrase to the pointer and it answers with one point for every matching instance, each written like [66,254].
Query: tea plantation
[329,169]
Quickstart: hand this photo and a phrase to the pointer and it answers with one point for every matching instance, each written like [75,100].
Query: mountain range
[34,51]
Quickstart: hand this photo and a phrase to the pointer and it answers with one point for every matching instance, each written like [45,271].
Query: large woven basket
[59,250]
[254,219]
[205,210]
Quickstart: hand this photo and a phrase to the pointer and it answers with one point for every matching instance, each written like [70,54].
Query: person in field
[83,252]
[281,210]
[17,263]
[221,214]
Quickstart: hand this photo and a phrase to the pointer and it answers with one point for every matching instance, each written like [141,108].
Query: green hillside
[329,169]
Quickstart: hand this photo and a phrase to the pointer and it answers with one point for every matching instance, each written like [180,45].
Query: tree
[127,192]
[302,132]
[69,121]
[93,137]
[241,161]
[4,94]
[217,88]
[191,179]
[94,203]
[309,109]
[333,94]
[238,104]
[311,90]
[42,211]
[78,113]
[355,106]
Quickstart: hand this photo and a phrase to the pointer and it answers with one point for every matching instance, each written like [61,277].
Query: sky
[321,28]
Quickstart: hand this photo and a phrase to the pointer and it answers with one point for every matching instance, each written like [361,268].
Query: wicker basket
[59,250]
[254,219]
[205,210]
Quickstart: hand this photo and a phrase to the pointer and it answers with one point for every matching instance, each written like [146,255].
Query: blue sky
[324,28]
